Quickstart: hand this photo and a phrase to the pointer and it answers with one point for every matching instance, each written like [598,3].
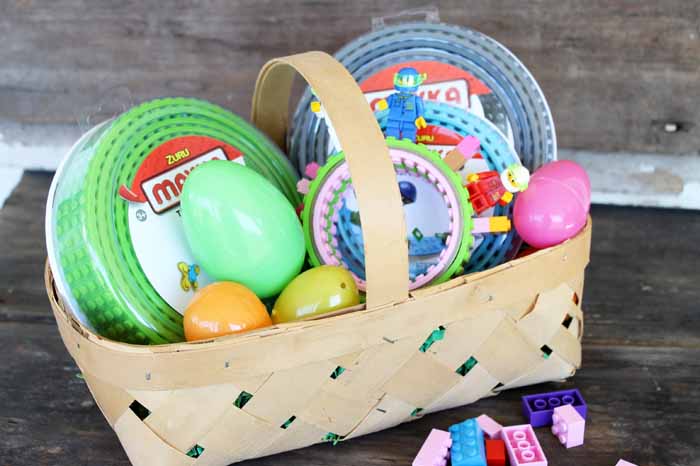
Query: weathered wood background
[615,72]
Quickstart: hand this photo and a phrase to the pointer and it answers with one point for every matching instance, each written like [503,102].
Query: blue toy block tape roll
[498,154]
[516,97]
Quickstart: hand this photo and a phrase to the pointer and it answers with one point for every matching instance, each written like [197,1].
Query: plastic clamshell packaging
[113,233]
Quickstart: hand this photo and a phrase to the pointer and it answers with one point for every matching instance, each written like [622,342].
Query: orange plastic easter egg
[223,308]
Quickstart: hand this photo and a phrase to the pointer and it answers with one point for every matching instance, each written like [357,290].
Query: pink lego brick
[497,224]
[491,428]
[435,449]
[303,186]
[624,463]
[522,446]
[469,146]
[568,426]
[311,170]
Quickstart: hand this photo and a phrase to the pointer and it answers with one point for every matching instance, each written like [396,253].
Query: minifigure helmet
[408,79]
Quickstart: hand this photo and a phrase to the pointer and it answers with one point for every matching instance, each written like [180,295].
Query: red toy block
[495,452]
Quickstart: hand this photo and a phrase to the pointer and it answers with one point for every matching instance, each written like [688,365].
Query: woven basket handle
[373,176]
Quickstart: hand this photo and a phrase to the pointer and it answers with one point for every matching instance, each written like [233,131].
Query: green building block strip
[93,239]
[462,254]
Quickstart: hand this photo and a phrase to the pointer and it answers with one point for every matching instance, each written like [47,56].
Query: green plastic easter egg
[240,228]
[317,291]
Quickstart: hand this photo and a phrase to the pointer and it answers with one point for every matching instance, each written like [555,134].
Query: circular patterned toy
[223,308]
[317,291]
[463,66]
[117,248]
[498,154]
[555,206]
[436,207]
[241,228]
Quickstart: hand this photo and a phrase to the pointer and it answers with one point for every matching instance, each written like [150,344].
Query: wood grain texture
[614,72]
[640,363]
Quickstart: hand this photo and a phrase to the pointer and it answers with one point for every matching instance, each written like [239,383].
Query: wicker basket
[297,384]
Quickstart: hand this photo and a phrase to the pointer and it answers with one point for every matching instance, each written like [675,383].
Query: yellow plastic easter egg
[223,308]
[317,291]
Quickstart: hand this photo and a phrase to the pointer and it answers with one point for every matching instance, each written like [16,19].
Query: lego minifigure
[405,107]
[486,189]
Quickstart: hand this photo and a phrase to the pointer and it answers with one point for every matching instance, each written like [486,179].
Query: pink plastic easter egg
[555,205]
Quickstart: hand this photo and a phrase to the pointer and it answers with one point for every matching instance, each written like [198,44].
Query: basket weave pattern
[495,317]
[293,385]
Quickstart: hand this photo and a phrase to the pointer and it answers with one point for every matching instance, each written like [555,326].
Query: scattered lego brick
[311,170]
[435,449]
[624,463]
[491,428]
[498,224]
[568,426]
[467,444]
[522,446]
[303,186]
[495,452]
[538,409]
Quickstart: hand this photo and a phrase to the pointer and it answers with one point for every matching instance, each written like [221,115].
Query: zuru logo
[160,177]
[163,191]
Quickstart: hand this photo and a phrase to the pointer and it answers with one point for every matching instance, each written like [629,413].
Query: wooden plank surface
[614,72]
[640,376]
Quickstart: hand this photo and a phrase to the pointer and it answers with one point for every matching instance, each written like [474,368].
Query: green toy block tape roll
[95,255]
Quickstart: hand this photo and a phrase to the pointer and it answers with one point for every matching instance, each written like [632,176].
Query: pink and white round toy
[555,206]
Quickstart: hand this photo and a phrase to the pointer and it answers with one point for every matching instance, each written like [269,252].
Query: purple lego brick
[435,449]
[568,426]
[523,447]
[538,409]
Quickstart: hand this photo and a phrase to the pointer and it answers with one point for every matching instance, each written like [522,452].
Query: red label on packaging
[437,135]
[162,173]
[445,83]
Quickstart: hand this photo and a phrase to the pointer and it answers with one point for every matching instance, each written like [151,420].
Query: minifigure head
[515,178]
[408,192]
[408,79]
